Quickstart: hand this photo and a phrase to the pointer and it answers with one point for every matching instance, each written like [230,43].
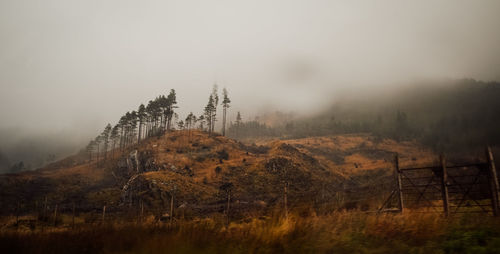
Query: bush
[222,155]
[218,170]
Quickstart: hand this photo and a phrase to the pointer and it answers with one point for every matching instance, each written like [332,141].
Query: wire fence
[466,188]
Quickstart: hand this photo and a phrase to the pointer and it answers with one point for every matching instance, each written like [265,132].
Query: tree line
[156,118]
[458,115]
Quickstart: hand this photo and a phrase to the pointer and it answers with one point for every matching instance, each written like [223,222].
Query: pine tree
[194,120]
[97,142]
[122,125]
[151,120]
[238,119]
[127,130]
[171,105]
[105,139]
[201,120]
[114,137]
[162,105]
[181,125]
[132,121]
[208,112]
[141,117]
[190,120]
[238,123]
[225,106]
[90,147]
[215,104]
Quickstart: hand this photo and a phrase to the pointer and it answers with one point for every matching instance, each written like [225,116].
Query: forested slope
[446,116]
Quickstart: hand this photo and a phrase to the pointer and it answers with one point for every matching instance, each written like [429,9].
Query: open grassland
[338,232]
[123,207]
[196,165]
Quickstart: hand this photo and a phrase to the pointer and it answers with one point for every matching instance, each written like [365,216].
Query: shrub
[222,155]
[218,170]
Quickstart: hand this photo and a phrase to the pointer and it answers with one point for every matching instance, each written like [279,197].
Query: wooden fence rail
[458,188]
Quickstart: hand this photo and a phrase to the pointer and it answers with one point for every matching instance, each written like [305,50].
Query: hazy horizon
[66,64]
[74,66]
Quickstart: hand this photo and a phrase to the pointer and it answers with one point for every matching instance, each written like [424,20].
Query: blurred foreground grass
[339,232]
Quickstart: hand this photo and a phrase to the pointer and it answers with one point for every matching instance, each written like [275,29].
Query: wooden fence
[446,188]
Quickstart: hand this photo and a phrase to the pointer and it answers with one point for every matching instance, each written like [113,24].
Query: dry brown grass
[197,152]
[359,152]
[338,232]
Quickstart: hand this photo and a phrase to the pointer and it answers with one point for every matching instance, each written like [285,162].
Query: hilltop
[199,170]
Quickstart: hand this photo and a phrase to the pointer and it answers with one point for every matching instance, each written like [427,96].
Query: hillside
[446,115]
[200,170]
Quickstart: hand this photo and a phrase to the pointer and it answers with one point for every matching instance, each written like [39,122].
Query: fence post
[73,217]
[17,214]
[55,216]
[493,181]
[444,185]
[44,214]
[37,213]
[397,172]
[103,213]
[171,208]
[142,212]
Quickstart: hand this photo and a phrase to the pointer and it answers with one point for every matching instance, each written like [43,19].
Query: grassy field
[338,232]
[189,161]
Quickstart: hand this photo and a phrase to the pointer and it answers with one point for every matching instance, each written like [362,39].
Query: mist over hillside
[78,66]
[22,150]
[444,115]
[4,162]
[263,126]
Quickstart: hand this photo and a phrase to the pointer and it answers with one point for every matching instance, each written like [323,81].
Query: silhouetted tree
[141,117]
[225,106]
[150,120]
[122,124]
[132,121]
[180,124]
[114,137]
[171,105]
[155,113]
[238,123]
[17,167]
[238,119]
[90,148]
[190,120]
[105,139]
[201,121]
[97,142]
[209,113]
[215,104]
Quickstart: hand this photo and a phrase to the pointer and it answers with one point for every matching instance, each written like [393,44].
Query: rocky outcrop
[138,162]
[139,189]
[133,161]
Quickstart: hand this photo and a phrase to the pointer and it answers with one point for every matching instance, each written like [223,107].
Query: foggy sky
[77,65]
